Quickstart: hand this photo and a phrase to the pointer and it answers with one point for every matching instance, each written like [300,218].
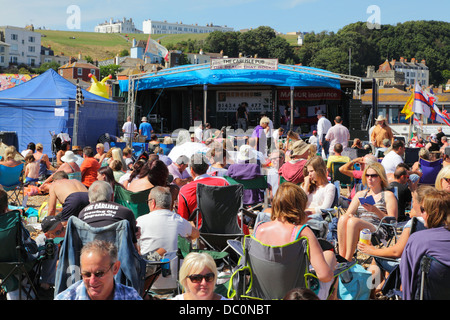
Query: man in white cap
[178,171]
[323,125]
[380,132]
[145,129]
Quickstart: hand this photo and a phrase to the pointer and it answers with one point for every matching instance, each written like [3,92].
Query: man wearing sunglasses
[98,266]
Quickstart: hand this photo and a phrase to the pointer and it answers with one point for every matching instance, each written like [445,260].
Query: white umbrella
[187,149]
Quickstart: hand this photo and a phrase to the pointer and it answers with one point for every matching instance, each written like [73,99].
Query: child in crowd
[31,169]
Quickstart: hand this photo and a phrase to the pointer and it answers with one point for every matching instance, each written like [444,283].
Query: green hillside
[102,46]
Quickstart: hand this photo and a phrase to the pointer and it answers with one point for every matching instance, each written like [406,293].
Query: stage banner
[258,101]
[244,63]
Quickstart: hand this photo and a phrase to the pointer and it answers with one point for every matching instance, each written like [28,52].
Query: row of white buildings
[156,27]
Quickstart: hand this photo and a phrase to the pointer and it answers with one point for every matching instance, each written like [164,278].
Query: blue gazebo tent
[46,104]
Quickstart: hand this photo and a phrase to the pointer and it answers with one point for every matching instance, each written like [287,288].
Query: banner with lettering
[244,63]
[310,94]
[258,101]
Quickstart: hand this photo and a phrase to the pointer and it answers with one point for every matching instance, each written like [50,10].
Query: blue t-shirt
[146,129]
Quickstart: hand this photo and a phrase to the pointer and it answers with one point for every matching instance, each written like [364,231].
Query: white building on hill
[24,45]
[124,26]
[164,27]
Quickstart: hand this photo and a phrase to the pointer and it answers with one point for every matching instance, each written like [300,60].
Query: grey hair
[162,196]
[101,247]
[100,191]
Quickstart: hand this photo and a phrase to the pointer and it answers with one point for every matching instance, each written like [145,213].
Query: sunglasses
[197,278]
[447,179]
[372,175]
[97,274]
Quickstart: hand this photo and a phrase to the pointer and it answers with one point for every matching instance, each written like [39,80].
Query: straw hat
[77,148]
[69,156]
[299,147]
[380,118]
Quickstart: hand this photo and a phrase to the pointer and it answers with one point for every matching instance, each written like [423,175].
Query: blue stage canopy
[191,75]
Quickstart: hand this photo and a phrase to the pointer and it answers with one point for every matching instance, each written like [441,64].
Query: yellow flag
[407,109]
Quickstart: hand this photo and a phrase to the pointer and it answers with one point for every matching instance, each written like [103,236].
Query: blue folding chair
[11,180]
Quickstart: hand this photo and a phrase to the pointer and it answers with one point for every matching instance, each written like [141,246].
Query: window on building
[31,49]
[31,39]
[14,36]
[80,71]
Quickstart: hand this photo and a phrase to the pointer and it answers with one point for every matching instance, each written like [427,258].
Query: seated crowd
[300,188]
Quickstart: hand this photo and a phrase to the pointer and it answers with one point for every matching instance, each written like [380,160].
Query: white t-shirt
[323,197]
[160,229]
[390,162]
[323,125]
[128,129]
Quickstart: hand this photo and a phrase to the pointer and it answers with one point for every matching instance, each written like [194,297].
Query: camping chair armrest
[249,213]
[236,246]
[193,215]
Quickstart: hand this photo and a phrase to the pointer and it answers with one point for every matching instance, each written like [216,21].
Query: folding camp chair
[336,175]
[260,183]
[219,207]
[269,272]
[135,201]
[434,280]
[78,233]
[11,180]
[15,264]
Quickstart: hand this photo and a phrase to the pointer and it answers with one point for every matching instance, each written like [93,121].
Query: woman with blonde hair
[8,159]
[321,193]
[443,179]
[198,276]
[366,215]
[288,223]
[100,155]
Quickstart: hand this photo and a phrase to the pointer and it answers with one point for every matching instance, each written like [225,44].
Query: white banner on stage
[258,101]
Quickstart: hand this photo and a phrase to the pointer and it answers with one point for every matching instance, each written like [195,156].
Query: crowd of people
[298,173]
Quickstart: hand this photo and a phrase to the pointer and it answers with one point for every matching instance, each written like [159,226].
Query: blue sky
[282,15]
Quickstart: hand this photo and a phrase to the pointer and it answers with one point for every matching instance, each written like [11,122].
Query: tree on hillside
[110,69]
[47,65]
[218,41]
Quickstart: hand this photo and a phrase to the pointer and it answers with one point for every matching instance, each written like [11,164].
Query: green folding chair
[135,201]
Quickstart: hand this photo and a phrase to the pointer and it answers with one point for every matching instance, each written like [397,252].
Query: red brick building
[78,70]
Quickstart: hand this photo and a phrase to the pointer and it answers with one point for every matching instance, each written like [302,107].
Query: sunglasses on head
[197,278]
[97,274]
[372,175]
